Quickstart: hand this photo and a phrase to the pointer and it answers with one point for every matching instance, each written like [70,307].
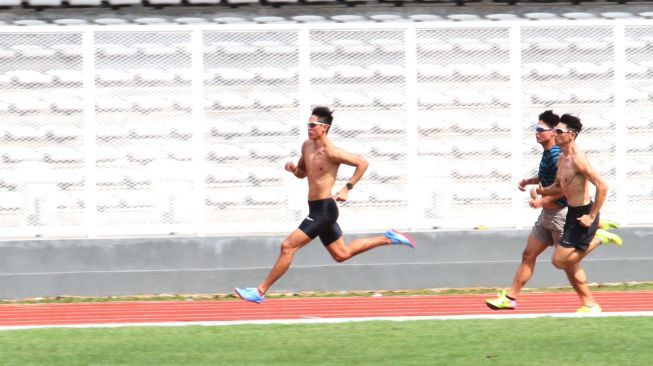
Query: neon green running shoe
[501,302]
[607,237]
[608,224]
[594,309]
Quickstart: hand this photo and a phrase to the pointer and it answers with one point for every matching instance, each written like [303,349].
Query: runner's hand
[290,166]
[342,195]
[586,220]
[536,201]
[522,185]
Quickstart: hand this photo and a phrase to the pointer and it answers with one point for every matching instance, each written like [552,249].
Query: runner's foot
[501,302]
[593,309]
[607,237]
[397,237]
[608,224]
[250,294]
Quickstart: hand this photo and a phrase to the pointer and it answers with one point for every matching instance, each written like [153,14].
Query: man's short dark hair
[572,122]
[549,118]
[323,114]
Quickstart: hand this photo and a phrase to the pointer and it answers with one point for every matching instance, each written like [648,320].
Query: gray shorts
[550,225]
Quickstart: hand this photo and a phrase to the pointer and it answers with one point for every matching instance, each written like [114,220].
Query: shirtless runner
[319,162]
[582,221]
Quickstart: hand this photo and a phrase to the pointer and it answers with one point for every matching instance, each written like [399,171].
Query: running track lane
[21,315]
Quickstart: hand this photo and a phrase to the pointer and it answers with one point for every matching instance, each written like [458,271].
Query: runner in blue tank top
[549,168]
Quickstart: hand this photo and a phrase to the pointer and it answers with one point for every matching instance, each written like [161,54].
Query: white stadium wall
[131,131]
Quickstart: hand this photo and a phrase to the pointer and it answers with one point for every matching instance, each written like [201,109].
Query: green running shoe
[594,309]
[608,224]
[607,237]
[501,302]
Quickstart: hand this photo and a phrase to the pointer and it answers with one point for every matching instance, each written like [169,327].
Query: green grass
[543,341]
[622,286]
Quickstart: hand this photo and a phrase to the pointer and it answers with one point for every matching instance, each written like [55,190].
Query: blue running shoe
[399,238]
[249,294]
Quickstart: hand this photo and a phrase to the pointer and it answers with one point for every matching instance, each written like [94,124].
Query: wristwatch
[349,186]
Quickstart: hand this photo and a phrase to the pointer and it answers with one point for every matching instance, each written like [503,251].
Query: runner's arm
[546,202]
[343,157]
[552,190]
[526,181]
[299,170]
[357,161]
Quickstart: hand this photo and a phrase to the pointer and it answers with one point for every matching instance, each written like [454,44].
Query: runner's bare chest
[568,174]
[317,162]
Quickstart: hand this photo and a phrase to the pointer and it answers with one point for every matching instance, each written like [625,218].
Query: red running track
[21,315]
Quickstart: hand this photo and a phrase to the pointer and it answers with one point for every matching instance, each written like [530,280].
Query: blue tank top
[549,169]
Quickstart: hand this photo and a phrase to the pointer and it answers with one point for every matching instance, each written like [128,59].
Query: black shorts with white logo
[576,235]
[322,221]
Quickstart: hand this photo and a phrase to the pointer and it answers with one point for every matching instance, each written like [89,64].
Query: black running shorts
[576,235]
[322,221]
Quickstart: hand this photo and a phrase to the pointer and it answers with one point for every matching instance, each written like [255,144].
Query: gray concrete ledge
[103,267]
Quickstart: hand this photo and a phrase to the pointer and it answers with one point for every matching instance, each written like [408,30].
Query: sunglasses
[560,131]
[313,124]
[539,129]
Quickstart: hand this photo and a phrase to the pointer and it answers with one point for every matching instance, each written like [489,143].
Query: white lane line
[336,320]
